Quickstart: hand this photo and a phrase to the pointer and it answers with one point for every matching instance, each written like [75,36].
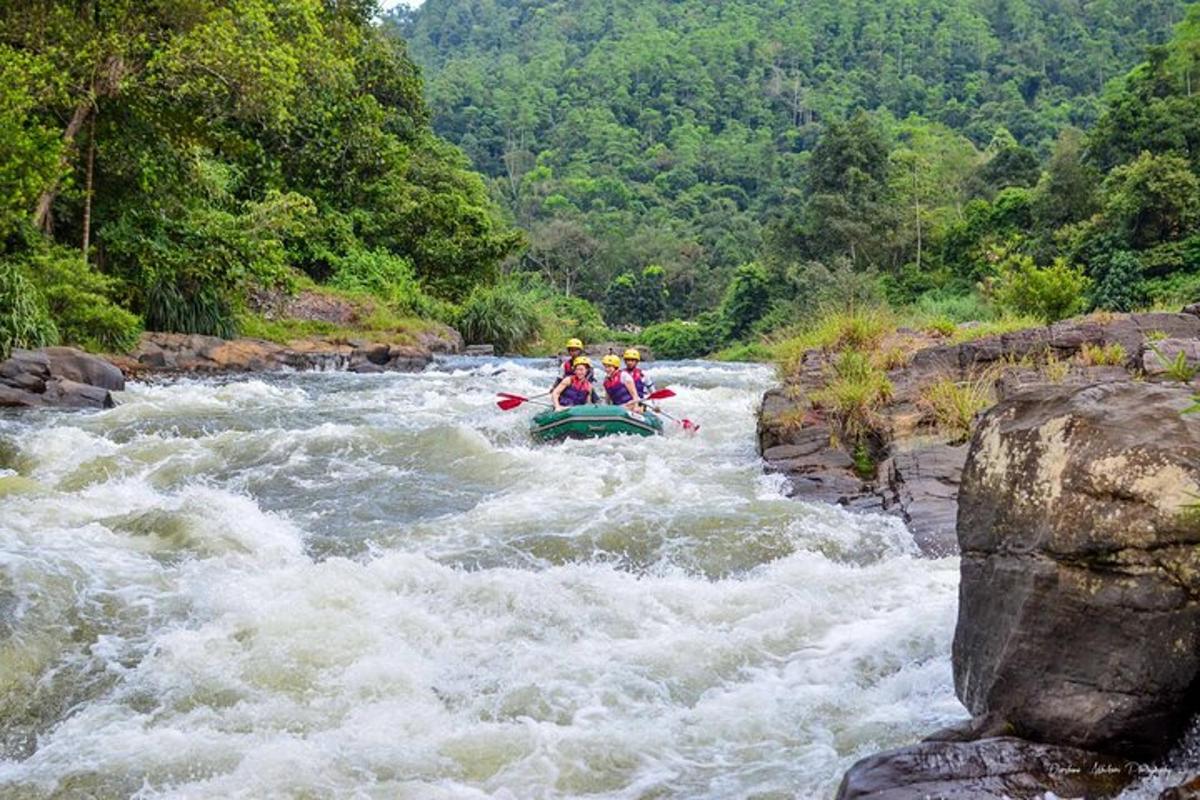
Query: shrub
[80,301]
[752,351]
[24,320]
[746,300]
[1174,291]
[680,340]
[380,274]
[502,315]
[639,299]
[1118,282]
[956,308]
[1049,294]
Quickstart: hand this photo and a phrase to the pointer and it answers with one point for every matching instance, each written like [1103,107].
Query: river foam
[326,585]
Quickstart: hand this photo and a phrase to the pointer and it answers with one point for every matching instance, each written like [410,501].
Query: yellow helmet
[587,362]
[574,343]
[634,354]
[610,360]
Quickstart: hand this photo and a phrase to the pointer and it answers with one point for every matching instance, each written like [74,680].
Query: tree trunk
[41,216]
[87,189]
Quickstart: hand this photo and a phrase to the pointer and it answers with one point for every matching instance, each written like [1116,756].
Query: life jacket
[618,395]
[569,369]
[578,393]
[639,381]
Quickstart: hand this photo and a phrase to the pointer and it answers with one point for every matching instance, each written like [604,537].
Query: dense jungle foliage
[160,162]
[970,158]
[715,174]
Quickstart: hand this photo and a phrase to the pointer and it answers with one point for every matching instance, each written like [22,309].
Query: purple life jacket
[578,393]
[618,395]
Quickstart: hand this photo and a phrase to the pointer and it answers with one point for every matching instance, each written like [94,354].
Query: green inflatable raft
[590,422]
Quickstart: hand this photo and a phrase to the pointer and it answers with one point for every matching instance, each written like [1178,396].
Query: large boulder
[1079,604]
[60,377]
[1003,768]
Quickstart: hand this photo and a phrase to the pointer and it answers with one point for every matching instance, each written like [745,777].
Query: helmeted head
[581,364]
[611,363]
[632,358]
[574,348]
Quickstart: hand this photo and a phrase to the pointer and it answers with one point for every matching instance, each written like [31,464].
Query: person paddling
[574,351]
[575,389]
[644,385]
[618,384]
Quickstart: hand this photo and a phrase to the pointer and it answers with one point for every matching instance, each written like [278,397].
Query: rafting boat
[590,422]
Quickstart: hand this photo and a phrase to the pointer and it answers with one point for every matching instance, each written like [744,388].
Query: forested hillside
[161,162]
[626,134]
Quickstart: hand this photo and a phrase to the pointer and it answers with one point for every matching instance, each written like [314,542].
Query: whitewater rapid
[374,586]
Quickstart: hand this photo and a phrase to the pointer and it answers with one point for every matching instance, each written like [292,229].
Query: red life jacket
[578,393]
[618,395]
[639,380]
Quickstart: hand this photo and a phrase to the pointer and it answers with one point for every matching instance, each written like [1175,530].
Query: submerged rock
[1004,767]
[58,377]
[1079,615]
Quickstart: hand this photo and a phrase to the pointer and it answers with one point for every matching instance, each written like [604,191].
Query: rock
[75,365]
[1156,357]
[1079,615]
[997,768]
[64,393]
[57,377]
[922,479]
[1188,790]
[918,470]
[174,352]
[480,350]
[375,352]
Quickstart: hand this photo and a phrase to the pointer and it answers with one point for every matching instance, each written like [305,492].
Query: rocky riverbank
[1074,508]
[915,466]
[63,377]
[1077,646]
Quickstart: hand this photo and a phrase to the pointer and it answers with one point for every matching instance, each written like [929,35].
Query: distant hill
[622,133]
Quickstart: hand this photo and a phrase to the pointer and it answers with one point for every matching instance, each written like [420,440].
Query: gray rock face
[1001,768]
[1079,612]
[1157,357]
[918,472]
[58,377]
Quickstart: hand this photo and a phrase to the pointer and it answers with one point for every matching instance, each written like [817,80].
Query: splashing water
[334,585]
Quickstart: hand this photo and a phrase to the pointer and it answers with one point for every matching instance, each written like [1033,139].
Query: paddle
[512,401]
[688,425]
[661,394]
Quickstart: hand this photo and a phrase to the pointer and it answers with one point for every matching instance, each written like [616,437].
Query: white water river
[374,586]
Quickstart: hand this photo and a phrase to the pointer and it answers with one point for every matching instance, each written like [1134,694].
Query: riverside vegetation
[709,179]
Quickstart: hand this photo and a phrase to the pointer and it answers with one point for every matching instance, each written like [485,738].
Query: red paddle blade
[512,396]
[510,403]
[661,394]
[689,426]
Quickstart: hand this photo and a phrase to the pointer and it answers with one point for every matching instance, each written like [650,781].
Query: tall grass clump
[501,315]
[24,319]
[855,328]
[854,389]
[954,404]
[1095,355]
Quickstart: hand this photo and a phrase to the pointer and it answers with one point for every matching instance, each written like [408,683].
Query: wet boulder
[1002,767]
[1079,612]
[59,377]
